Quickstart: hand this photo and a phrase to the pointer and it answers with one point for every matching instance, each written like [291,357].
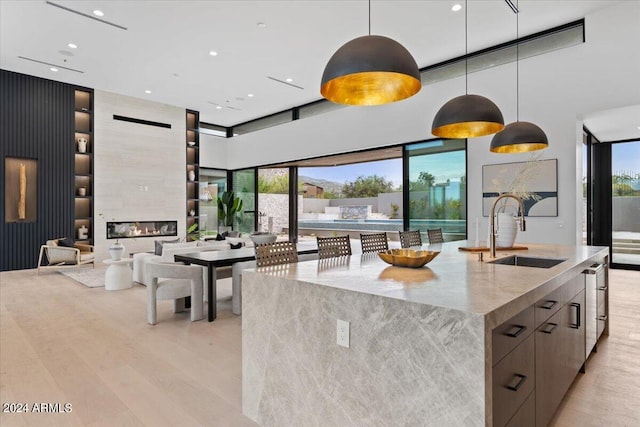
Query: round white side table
[119,274]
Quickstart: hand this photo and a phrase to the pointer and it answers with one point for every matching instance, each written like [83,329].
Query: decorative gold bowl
[408,257]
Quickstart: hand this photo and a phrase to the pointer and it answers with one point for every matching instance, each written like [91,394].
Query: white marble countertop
[454,280]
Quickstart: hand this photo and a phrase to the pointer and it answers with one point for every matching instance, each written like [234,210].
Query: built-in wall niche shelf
[83,164]
[192,167]
[83,161]
[83,121]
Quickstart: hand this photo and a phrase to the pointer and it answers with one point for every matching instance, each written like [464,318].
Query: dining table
[225,258]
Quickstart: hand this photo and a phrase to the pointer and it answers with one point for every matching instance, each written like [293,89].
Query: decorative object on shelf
[191,143]
[519,137]
[192,212]
[116,250]
[370,70]
[467,116]
[534,181]
[82,191]
[408,257]
[229,208]
[83,233]
[82,145]
[192,175]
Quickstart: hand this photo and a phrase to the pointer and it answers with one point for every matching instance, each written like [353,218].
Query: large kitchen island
[459,342]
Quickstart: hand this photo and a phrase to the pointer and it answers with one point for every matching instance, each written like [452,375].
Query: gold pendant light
[370,70]
[519,137]
[467,116]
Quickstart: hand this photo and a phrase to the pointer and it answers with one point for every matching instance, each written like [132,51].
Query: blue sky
[439,165]
[626,157]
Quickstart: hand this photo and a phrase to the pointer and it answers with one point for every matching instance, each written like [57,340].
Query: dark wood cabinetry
[83,165]
[532,371]
[560,344]
[193,167]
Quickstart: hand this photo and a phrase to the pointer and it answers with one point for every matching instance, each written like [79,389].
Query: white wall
[556,89]
[130,156]
[213,152]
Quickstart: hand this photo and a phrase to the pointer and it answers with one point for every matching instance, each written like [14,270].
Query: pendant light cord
[369,17]
[466,52]
[517,61]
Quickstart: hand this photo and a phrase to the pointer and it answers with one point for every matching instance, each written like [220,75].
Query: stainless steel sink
[525,261]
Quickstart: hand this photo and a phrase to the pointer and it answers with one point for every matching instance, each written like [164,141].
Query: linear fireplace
[135,229]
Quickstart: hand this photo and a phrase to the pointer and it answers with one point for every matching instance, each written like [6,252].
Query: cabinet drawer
[573,287]
[549,305]
[513,381]
[511,333]
[526,415]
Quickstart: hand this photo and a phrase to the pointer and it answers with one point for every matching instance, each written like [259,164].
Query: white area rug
[90,277]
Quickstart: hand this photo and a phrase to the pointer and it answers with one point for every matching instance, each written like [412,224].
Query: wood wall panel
[36,121]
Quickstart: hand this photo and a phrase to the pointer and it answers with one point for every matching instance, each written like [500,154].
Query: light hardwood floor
[61,342]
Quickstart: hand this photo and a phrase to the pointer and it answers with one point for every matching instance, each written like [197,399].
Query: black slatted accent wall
[37,122]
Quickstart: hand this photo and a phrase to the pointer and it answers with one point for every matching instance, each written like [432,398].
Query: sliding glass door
[438,187]
[625,203]
[612,193]
[244,186]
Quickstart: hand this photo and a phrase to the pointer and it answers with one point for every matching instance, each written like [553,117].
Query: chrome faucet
[492,233]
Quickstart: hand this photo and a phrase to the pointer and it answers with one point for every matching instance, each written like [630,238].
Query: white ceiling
[166,46]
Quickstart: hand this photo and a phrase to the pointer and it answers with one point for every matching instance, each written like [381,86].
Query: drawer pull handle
[520,379]
[604,317]
[576,325]
[518,330]
[604,288]
[549,329]
[548,305]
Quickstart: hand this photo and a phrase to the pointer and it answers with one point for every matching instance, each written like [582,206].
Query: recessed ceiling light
[638,127]
[73,45]
[261,25]
[98,12]
[250,95]
[147,91]
[218,107]
[54,69]
[456,7]
[213,53]
[289,79]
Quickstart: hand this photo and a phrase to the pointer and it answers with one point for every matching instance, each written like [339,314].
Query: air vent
[85,15]
[141,121]
[285,83]
[51,65]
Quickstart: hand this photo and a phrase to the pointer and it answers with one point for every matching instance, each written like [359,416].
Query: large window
[273,201]
[212,184]
[244,186]
[438,187]
[352,198]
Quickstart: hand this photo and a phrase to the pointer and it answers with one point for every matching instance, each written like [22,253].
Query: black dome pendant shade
[370,70]
[519,137]
[467,116]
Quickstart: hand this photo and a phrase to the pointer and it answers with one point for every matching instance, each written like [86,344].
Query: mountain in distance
[335,187]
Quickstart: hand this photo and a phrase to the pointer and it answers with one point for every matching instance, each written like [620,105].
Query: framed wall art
[535,181]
